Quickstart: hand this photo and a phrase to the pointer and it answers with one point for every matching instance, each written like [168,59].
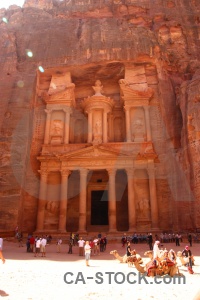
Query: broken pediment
[61,97]
[128,93]
[59,82]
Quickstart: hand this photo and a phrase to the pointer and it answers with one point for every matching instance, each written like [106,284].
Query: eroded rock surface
[152,44]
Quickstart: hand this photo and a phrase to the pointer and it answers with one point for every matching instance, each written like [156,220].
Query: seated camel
[125,259]
[183,259]
[154,270]
[133,255]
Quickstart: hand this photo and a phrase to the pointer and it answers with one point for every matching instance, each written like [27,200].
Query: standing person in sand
[87,253]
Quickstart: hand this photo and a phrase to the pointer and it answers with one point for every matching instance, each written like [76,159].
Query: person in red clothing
[91,243]
[32,243]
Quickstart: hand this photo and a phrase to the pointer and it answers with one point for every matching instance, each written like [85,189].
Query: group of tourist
[92,247]
[177,238]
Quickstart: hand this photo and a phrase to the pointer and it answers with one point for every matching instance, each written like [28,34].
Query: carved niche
[138,130]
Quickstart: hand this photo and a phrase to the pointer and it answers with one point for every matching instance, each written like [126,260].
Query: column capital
[88,111]
[65,172]
[43,172]
[67,110]
[48,111]
[127,108]
[83,172]
[105,111]
[111,171]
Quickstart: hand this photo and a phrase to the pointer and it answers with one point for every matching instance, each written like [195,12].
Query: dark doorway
[99,208]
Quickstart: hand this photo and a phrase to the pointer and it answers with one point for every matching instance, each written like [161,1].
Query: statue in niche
[97,127]
[98,88]
[97,133]
[138,125]
[138,130]
[143,208]
[52,207]
[57,128]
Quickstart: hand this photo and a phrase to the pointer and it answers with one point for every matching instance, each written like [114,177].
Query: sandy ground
[25,277]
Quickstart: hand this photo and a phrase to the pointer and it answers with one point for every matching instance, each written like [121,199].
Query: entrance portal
[99,207]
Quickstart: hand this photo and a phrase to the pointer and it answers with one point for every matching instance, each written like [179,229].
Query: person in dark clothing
[150,241]
[105,243]
[101,245]
[177,240]
[124,240]
[71,243]
[128,249]
[188,253]
[190,239]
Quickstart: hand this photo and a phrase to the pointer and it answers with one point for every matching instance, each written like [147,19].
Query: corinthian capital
[65,172]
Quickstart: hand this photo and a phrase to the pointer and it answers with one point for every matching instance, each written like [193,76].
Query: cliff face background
[101,37]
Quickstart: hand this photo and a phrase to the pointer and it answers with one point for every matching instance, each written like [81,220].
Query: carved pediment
[94,152]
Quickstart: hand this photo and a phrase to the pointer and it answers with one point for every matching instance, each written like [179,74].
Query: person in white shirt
[87,253]
[156,250]
[1,251]
[43,243]
[37,247]
[81,243]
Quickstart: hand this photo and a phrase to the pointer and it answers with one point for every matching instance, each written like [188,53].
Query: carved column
[63,200]
[112,201]
[42,199]
[89,126]
[105,127]
[128,124]
[67,121]
[153,199]
[131,200]
[82,200]
[147,121]
[47,126]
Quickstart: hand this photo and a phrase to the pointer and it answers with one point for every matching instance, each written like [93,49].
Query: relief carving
[138,130]
[52,206]
[143,208]
[56,132]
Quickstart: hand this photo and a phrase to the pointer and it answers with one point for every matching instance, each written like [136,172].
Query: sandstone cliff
[101,38]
